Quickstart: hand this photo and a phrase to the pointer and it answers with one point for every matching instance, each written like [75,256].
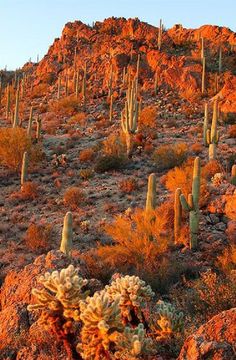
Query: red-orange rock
[214,340]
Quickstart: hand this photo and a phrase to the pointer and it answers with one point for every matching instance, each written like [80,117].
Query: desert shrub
[211,168]
[147,119]
[73,197]
[215,293]
[138,241]
[232,131]
[227,260]
[109,162]
[67,106]
[29,190]
[86,174]
[128,185]
[196,148]
[231,161]
[181,177]
[39,91]
[39,237]
[230,206]
[114,145]
[13,143]
[79,118]
[169,156]
[86,155]
[229,118]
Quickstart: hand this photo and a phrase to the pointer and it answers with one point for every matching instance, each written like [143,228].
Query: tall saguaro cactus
[159,40]
[203,75]
[233,175]
[192,204]
[67,234]
[16,113]
[213,134]
[129,116]
[177,215]
[205,125]
[220,59]
[24,168]
[59,87]
[38,128]
[151,193]
[84,84]
[111,109]
[29,129]
[8,104]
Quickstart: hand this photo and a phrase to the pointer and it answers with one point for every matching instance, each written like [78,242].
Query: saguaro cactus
[84,84]
[8,104]
[129,116]
[110,83]
[220,59]
[205,124]
[233,175]
[16,113]
[151,193]
[178,215]
[59,87]
[29,129]
[77,85]
[67,233]
[156,83]
[213,134]
[202,49]
[111,108]
[192,204]
[24,168]
[38,129]
[160,35]
[203,75]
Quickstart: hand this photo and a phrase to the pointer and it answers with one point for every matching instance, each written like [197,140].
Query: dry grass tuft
[73,197]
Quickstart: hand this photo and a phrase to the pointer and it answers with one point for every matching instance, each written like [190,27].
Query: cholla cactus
[134,293]
[217,179]
[133,344]
[101,325]
[166,320]
[61,294]
[233,175]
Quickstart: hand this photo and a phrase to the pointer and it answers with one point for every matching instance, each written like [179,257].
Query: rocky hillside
[115,116]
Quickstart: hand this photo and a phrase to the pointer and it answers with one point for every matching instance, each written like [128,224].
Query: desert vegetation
[118,196]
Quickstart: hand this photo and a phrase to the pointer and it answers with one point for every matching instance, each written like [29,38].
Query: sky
[28,27]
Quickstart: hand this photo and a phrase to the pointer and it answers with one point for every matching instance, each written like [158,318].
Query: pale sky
[28,27]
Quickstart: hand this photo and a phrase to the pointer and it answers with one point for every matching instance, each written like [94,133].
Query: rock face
[17,336]
[117,42]
[215,340]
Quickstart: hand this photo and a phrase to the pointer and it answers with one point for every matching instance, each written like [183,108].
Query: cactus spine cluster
[192,204]
[133,293]
[67,234]
[151,193]
[24,168]
[168,321]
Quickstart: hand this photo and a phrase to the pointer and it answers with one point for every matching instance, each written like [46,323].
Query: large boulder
[215,340]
